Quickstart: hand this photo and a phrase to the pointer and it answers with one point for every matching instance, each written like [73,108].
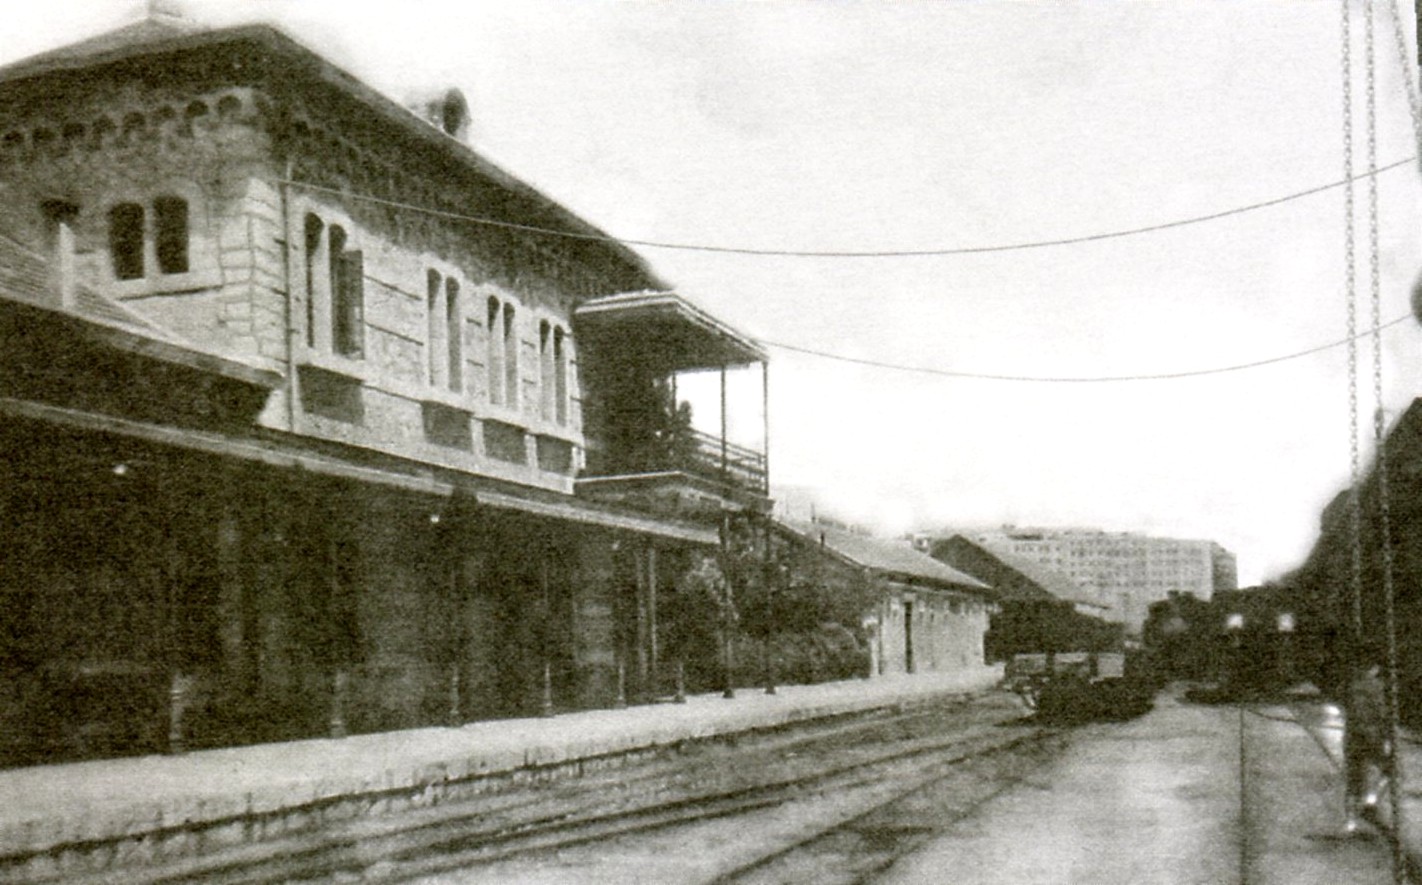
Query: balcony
[642,449]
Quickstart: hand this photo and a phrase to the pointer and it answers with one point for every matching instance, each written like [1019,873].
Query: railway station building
[297,448]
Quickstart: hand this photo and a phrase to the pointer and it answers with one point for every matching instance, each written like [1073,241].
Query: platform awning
[290,454]
[664,332]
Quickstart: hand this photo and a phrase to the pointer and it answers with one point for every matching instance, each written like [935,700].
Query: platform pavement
[1188,794]
[44,808]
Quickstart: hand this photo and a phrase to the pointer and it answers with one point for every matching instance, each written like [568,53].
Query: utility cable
[807,253]
[1086,379]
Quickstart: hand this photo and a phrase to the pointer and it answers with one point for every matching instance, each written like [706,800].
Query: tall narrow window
[510,358]
[454,334]
[545,370]
[434,323]
[170,222]
[495,357]
[560,375]
[314,229]
[347,296]
[126,240]
[349,330]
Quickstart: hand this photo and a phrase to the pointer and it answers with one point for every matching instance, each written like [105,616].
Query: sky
[856,126]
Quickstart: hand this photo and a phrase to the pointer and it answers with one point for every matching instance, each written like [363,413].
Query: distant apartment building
[1123,571]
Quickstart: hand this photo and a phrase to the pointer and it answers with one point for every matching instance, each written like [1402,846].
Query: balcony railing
[727,462]
[687,451]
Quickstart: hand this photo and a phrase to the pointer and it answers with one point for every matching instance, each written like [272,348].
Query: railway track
[845,769]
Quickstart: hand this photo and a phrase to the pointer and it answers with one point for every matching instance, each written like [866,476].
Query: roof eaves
[279,41]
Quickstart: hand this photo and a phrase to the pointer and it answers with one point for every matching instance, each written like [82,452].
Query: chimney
[447,111]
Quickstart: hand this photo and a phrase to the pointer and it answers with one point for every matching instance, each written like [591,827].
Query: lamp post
[1234,668]
[1285,624]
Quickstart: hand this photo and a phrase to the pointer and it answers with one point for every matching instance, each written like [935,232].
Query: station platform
[59,817]
[1188,794]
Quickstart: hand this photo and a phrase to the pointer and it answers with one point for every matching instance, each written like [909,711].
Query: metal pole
[545,706]
[724,462]
[765,418]
[728,689]
[653,652]
[769,576]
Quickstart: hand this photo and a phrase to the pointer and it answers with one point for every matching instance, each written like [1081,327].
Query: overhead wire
[1083,379]
[1346,182]
[869,253]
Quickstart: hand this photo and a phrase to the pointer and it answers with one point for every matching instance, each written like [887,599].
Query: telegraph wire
[892,253]
[1086,379]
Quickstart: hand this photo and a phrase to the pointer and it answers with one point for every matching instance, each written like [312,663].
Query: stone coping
[44,807]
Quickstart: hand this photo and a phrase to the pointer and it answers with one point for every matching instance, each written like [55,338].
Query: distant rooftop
[893,558]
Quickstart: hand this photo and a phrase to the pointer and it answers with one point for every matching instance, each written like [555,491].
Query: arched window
[170,221]
[347,295]
[126,240]
[314,228]
[434,324]
[545,370]
[454,334]
[494,358]
[510,358]
[560,375]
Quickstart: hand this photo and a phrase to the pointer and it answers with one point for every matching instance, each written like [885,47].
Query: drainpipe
[284,191]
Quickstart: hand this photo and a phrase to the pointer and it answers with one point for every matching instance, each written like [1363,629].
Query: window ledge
[443,396]
[530,423]
[334,363]
[168,284]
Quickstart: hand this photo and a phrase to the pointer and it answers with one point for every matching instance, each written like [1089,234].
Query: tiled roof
[890,557]
[25,276]
[142,33]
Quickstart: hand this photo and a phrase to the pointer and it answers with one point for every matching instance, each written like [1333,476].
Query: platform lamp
[1286,626]
[1234,633]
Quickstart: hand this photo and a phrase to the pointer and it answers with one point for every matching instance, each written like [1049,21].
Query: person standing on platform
[1366,753]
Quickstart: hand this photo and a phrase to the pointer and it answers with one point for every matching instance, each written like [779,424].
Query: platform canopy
[664,332]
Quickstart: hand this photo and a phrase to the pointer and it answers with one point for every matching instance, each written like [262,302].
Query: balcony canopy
[664,332]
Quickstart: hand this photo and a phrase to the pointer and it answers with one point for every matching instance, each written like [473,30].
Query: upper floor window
[434,292]
[335,289]
[170,222]
[545,370]
[494,351]
[454,334]
[502,353]
[560,375]
[553,372]
[314,229]
[126,240]
[510,358]
[129,238]
[445,315]
[347,296]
